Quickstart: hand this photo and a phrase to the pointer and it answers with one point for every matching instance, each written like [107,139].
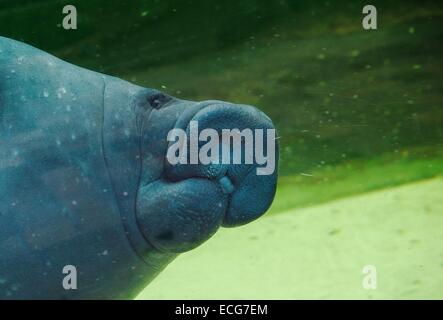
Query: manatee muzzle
[188,203]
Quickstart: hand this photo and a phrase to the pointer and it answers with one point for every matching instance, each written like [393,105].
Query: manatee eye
[158,100]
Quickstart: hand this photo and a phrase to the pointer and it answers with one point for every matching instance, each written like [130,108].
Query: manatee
[86,192]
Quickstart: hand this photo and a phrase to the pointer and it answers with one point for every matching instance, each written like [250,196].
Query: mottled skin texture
[84,181]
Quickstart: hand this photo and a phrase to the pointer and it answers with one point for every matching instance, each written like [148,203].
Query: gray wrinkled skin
[84,181]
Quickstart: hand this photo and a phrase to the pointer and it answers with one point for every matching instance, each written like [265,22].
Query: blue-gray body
[83,179]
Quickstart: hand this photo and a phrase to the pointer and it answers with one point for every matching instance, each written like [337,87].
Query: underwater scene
[358,114]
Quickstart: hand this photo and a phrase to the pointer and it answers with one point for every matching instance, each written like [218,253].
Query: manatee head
[182,198]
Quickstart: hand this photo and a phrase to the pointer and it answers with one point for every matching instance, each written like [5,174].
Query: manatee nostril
[158,100]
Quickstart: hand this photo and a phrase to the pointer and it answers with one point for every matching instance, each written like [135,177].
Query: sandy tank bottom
[319,252]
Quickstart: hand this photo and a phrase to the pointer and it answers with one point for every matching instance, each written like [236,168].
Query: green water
[336,92]
[359,113]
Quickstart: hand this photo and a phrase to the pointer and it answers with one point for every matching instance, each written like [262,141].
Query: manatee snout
[194,196]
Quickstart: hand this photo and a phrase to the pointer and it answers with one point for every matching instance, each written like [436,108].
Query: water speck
[355,53]
[333,232]
[60,92]
[306,174]
[45,93]
[15,287]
